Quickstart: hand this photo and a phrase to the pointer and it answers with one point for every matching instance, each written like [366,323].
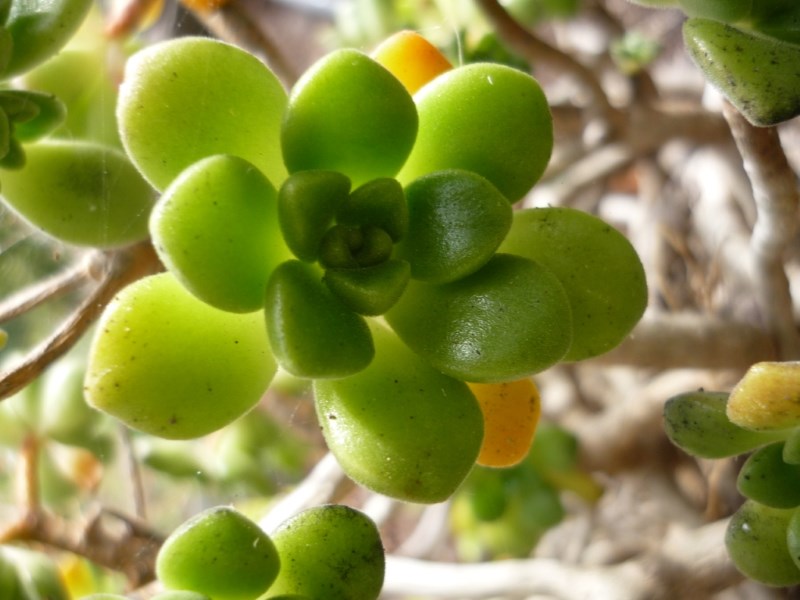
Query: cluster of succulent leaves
[384,205]
[760,417]
[749,49]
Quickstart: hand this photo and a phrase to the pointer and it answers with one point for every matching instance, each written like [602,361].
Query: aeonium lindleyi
[318,211]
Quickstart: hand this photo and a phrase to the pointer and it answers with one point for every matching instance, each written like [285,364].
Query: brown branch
[122,267]
[130,549]
[688,340]
[776,197]
[231,23]
[59,284]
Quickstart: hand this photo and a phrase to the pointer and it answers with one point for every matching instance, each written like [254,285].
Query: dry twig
[121,268]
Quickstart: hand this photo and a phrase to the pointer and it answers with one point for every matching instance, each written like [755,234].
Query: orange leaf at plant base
[411,58]
[511,412]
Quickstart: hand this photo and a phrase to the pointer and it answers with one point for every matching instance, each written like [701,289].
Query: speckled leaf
[759,75]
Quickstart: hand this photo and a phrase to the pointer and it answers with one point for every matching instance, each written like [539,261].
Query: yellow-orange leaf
[205,5]
[511,412]
[411,58]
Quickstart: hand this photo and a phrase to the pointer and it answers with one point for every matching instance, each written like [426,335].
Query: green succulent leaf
[332,552]
[756,539]
[165,363]
[400,427]
[598,267]
[380,203]
[766,478]
[216,228]
[307,204]
[457,220]
[508,320]
[79,192]
[39,29]
[188,98]
[221,553]
[347,113]
[500,127]
[759,75]
[50,114]
[697,423]
[370,290]
[311,331]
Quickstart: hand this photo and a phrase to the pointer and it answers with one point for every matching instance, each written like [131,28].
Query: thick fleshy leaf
[487,118]
[598,267]
[312,333]
[766,398]
[332,552]
[400,427]
[758,74]
[80,192]
[307,204]
[47,114]
[188,98]
[378,203]
[221,553]
[457,220]
[165,363]
[347,113]
[370,290]
[216,228]
[508,320]
[39,29]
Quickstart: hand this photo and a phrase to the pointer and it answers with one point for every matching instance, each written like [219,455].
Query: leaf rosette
[349,199]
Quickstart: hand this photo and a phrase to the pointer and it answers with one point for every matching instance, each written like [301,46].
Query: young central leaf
[349,114]
[399,427]
[216,228]
[312,333]
[165,363]
[307,204]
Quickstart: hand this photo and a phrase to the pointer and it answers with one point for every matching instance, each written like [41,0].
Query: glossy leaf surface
[312,333]
[349,114]
[756,540]
[697,423]
[758,74]
[457,220]
[221,553]
[330,551]
[506,321]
